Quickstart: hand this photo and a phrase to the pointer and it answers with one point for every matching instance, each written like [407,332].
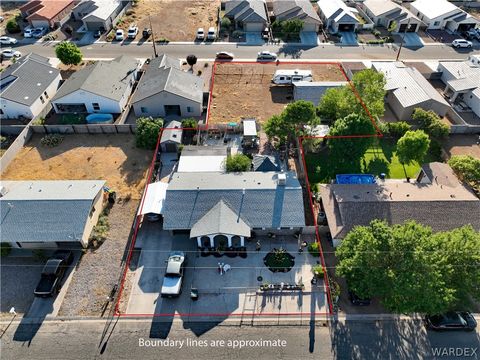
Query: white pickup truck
[173,279]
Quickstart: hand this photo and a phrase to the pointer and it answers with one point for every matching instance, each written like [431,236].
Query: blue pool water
[355,179]
[99,119]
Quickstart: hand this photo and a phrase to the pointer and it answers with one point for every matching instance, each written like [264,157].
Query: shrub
[314,249]
[68,53]
[237,33]
[431,123]
[68,29]
[12,26]
[39,121]
[375,32]
[100,230]
[189,123]
[199,72]
[226,23]
[238,163]
[147,132]
[398,128]
[51,140]
[5,249]
[317,270]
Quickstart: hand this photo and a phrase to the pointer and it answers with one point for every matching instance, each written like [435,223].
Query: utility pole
[403,39]
[153,38]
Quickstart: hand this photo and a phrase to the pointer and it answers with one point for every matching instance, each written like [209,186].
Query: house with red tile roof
[48,13]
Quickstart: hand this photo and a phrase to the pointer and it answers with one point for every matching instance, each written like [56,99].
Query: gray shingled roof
[254,196]
[294,9]
[265,163]
[27,79]
[105,78]
[46,211]
[246,10]
[163,74]
[220,219]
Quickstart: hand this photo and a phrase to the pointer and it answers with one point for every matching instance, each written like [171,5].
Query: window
[189,109]
[46,95]
[436,23]
[42,100]
[96,106]
[144,110]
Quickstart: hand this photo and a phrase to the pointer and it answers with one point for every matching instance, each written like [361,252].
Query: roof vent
[452,196]
[282,179]
[3,191]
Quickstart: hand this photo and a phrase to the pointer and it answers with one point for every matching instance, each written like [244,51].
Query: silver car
[6,40]
[173,279]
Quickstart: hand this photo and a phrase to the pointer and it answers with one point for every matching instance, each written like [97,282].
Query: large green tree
[68,53]
[413,146]
[147,132]
[467,168]
[346,149]
[411,269]
[368,84]
[291,121]
[238,163]
[431,123]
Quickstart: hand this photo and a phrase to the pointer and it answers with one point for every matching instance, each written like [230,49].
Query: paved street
[402,339]
[207,51]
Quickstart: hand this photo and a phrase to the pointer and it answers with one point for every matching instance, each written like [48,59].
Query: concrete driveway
[309,38]
[348,38]
[412,40]
[254,38]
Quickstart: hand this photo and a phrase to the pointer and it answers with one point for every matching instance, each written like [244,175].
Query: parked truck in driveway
[53,273]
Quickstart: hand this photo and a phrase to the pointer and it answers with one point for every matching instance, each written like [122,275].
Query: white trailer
[287,77]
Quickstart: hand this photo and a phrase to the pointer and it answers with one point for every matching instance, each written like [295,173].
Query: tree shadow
[377,166]
[388,148]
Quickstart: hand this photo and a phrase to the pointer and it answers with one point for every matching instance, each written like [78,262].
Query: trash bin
[194,294]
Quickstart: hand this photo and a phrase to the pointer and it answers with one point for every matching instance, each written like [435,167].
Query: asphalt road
[402,340]
[207,51]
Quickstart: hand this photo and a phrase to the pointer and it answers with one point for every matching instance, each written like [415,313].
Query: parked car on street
[146,33]
[132,32]
[266,56]
[119,35]
[453,320]
[53,273]
[200,34]
[462,43]
[223,55]
[358,301]
[173,279]
[10,53]
[6,40]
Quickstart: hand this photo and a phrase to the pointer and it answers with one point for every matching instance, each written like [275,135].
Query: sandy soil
[182,22]
[244,90]
[462,145]
[111,157]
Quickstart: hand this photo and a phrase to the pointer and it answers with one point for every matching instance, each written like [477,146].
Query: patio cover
[220,219]
[154,199]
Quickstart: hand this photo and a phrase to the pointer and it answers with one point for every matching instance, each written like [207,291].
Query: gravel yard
[245,90]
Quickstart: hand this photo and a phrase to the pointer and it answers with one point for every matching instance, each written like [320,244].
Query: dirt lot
[462,145]
[9,9]
[244,90]
[189,14]
[111,157]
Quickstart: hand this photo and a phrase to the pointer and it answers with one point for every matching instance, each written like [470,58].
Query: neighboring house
[407,89]
[297,9]
[385,12]
[171,137]
[352,67]
[442,14]
[247,15]
[47,13]
[437,199]
[462,79]
[166,90]
[313,91]
[337,16]
[229,206]
[265,163]
[98,14]
[102,87]
[26,87]
[203,159]
[49,214]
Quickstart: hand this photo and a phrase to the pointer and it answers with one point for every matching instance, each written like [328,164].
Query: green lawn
[380,158]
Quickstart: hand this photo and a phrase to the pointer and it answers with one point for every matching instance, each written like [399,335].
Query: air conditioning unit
[282,179]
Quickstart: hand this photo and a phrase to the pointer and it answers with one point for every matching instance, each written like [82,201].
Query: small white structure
[202,159]
[442,14]
[249,132]
[154,199]
[284,77]
[171,136]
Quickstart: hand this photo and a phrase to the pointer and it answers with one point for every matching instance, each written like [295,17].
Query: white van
[285,77]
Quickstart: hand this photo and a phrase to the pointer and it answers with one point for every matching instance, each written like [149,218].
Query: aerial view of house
[104,86]
[47,13]
[336,15]
[249,15]
[297,9]
[385,12]
[27,87]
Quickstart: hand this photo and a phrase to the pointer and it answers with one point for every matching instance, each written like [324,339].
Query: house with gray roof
[212,206]
[101,87]
[27,86]
[436,199]
[337,16]
[297,9]
[443,14]
[166,90]
[98,14]
[51,213]
[247,15]
[385,12]
[407,90]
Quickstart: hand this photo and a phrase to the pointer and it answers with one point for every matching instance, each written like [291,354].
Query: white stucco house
[337,16]
[297,9]
[386,12]
[442,14]
[27,86]
[102,87]
[98,14]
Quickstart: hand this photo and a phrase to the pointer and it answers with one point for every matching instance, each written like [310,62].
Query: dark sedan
[453,320]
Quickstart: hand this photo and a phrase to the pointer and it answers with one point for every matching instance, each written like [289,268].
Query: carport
[220,223]
[346,27]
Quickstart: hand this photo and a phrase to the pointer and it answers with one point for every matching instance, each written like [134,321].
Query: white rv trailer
[286,77]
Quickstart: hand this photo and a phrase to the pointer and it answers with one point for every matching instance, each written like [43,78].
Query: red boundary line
[300,141]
